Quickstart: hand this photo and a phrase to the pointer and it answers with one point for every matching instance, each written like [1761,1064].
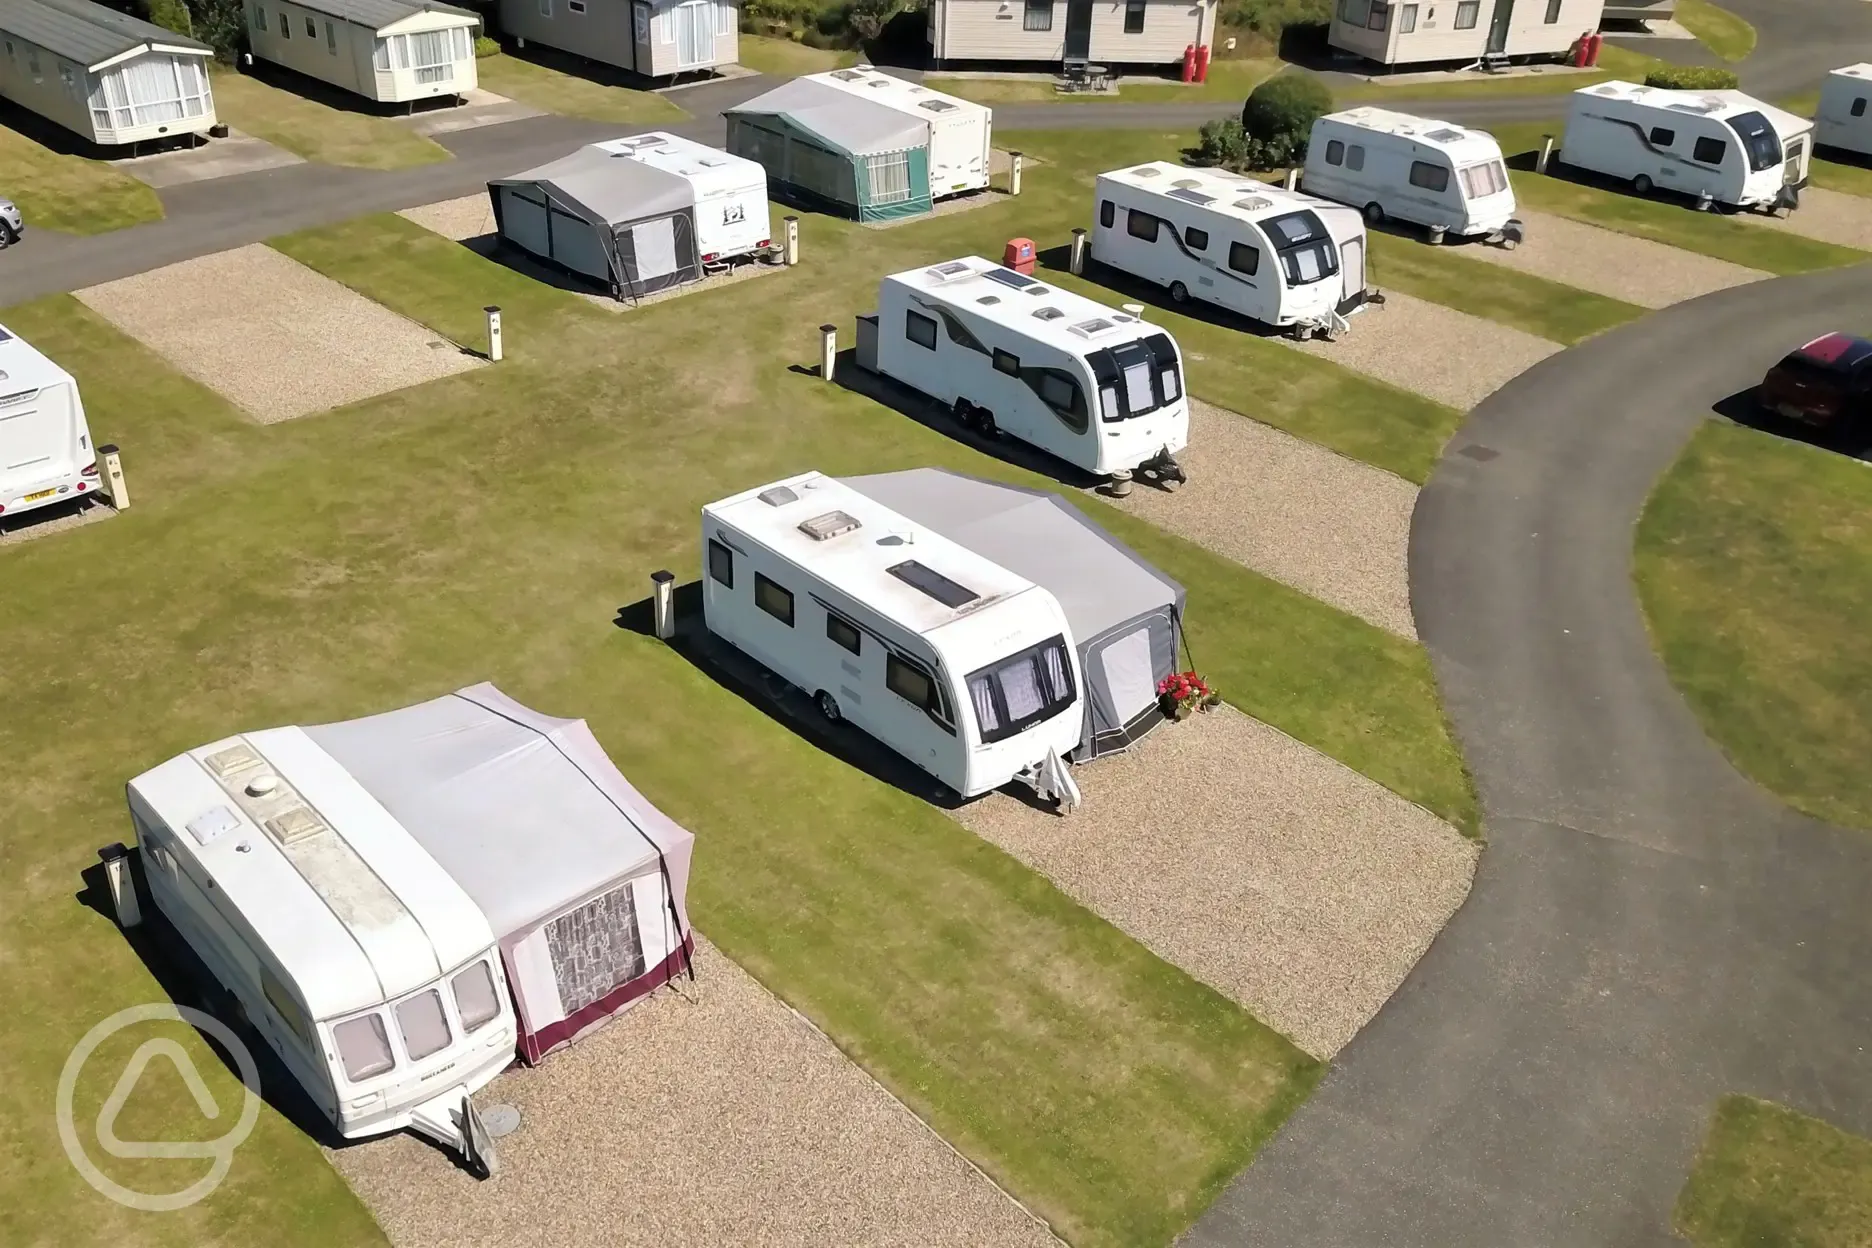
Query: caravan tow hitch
[1163,471]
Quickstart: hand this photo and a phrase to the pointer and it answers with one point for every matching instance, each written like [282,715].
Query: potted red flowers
[1183,692]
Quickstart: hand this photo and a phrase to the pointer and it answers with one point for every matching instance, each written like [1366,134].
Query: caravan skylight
[1048,314]
[831,524]
[1254,203]
[937,106]
[289,827]
[847,75]
[989,299]
[224,763]
[943,272]
[1444,135]
[933,583]
[778,496]
[1145,172]
[1097,325]
[1191,197]
[1008,277]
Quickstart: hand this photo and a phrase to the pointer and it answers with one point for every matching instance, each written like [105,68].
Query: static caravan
[1126,615]
[582,880]
[959,130]
[654,38]
[1841,120]
[46,454]
[1425,32]
[1393,165]
[1144,33]
[109,78]
[348,948]
[1011,355]
[1740,152]
[624,225]
[730,192]
[1273,255]
[391,51]
[962,667]
[830,150]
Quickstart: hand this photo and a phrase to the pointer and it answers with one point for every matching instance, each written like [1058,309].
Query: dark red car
[1827,383]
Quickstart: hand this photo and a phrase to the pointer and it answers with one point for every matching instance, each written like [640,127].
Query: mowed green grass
[70,194]
[570,87]
[1445,275]
[1754,564]
[1717,29]
[1769,1177]
[488,526]
[785,58]
[317,131]
[1229,82]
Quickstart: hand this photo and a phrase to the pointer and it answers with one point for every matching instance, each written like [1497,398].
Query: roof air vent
[1254,203]
[262,785]
[293,825]
[224,763]
[1145,171]
[832,524]
[1187,184]
[847,75]
[778,496]
[1049,314]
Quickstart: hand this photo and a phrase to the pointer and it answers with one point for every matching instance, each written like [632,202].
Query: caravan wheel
[1374,214]
[829,707]
[1179,293]
[1641,185]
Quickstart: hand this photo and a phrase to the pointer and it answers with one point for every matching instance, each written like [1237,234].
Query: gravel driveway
[1637,270]
[276,338]
[1437,352]
[1292,510]
[714,1121]
[1829,216]
[1280,877]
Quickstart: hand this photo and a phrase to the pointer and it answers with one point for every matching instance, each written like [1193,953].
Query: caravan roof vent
[1191,197]
[1037,290]
[1049,313]
[262,785]
[937,106]
[778,496]
[1254,203]
[1145,171]
[1444,135]
[832,524]
[1097,325]
[224,763]
[933,583]
[1702,107]
[989,299]
[943,272]
[211,825]
[293,825]
[847,75]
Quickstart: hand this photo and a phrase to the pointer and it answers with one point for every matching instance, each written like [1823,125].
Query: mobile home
[963,668]
[1012,355]
[391,51]
[652,38]
[109,78]
[1841,120]
[959,130]
[46,454]
[1740,152]
[1393,165]
[729,192]
[1463,31]
[1144,33]
[1273,255]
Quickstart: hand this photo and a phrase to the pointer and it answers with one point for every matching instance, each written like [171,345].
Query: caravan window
[1355,157]
[1488,178]
[363,1047]
[1429,177]
[1136,378]
[1858,107]
[843,632]
[1141,225]
[1759,141]
[1060,392]
[1466,13]
[1708,151]
[1305,248]
[423,1024]
[1407,19]
[911,682]
[1244,258]
[1107,213]
[1015,694]
[775,599]
[475,998]
[920,329]
[1335,152]
[720,563]
[1380,15]
[1006,362]
[1195,239]
[259,22]
[286,1008]
[1660,137]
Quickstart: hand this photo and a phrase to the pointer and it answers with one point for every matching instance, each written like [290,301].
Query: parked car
[1826,383]
[12,224]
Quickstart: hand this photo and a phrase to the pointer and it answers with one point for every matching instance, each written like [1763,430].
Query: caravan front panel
[46,454]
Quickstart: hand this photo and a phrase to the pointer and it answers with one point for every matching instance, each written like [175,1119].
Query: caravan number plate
[33,498]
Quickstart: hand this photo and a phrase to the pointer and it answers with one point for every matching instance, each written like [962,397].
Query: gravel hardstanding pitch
[1294,511]
[273,336]
[1637,270]
[1437,352]
[1829,216]
[718,1120]
[1265,869]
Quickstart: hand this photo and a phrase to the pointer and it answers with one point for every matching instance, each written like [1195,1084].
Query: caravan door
[1352,272]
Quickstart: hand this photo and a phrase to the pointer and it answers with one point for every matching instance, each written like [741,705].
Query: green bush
[1692,78]
[1285,105]
[170,15]
[485,46]
[1222,142]
[1270,18]
[221,25]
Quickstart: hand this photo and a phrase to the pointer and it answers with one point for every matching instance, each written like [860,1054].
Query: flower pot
[1182,711]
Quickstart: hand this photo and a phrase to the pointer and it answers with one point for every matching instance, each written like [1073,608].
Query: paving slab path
[1637,270]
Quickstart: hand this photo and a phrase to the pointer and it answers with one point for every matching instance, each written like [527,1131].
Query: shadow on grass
[337,98]
[1137,290]
[1852,438]
[62,142]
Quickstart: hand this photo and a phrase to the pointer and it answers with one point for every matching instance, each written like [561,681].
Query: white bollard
[1014,173]
[792,240]
[1136,310]
[1293,179]
[110,476]
[1546,153]
[663,595]
[828,351]
[1076,262]
[122,884]
[494,333]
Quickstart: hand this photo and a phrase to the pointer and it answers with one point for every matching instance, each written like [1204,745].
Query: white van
[1740,152]
[358,959]
[1393,165]
[46,454]
[1273,255]
[1011,354]
[1841,120]
[730,191]
[960,131]
[965,669]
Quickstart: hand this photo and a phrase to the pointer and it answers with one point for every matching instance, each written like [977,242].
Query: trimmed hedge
[1693,78]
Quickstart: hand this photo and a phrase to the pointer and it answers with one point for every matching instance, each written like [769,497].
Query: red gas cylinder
[1019,256]
[1596,42]
[1202,63]
[1189,62]
[1582,49]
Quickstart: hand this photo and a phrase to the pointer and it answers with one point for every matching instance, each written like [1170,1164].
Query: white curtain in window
[981,693]
[156,89]
[724,18]
[1137,380]
[1020,689]
[464,43]
[380,56]
[1056,671]
[889,177]
[431,54]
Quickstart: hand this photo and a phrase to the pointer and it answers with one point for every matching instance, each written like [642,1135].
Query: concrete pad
[1438,352]
[219,158]
[483,108]
[709,1114]
[1292,510]
[1827,216]
[1420,78]
[1278,876]
[274,337]
[1653,29]
[1636,270]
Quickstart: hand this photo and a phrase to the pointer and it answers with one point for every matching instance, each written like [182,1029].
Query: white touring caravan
[1393,165]
[1842,120]
[1733,148]
[46,454]
[1010,354]
[357,957]
[730,191]
[960,131]
[965,669]
[1273,255]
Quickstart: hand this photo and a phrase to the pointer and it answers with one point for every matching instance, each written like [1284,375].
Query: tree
[220,24]
[170,15]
